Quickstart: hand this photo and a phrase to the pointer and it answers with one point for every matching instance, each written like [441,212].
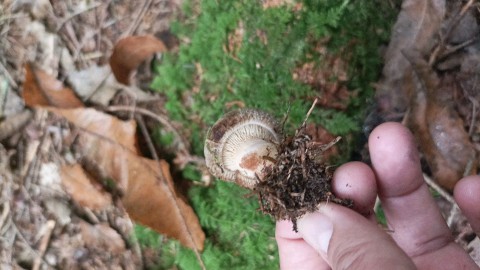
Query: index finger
[412,214]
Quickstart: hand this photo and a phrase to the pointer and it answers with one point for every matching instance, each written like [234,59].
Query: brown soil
[299,181]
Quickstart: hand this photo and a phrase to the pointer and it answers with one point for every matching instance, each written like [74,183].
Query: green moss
[206,75]
[381,216]
[147,237]
[238,235]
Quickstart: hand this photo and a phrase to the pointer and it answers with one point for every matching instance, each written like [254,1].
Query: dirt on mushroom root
[299,180]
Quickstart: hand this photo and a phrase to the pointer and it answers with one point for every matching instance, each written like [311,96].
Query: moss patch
[237,53]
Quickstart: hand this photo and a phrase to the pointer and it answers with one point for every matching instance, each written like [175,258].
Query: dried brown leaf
[41,89]
[415,29]
[437,126]
[83,188]
[130,52]
[108,146]
[95,122]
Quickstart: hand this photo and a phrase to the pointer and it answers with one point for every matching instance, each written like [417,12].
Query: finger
[353,180]
[293,251]
[467,195]
[356,181]
[347,240]
[412,214]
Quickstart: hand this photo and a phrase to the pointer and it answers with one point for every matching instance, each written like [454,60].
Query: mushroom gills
[250,157]
[241,144]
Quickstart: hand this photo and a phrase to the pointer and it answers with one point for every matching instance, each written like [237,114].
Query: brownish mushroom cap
[241,144]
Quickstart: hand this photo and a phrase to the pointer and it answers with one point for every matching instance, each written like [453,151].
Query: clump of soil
[299,180]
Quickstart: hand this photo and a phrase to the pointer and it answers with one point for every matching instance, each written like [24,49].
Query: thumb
[347,240]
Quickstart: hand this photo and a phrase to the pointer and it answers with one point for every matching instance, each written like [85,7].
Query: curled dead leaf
[130,52]
[415,28]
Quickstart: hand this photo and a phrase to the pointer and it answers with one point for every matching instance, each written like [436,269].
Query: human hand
[341,238]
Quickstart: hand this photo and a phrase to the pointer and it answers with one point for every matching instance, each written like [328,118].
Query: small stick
[161,119]
[309,112]
[439,50]
[5,212]
[474,112]
[24,240]
[153,152]
[452,215]
[49,226]
[455,209]
[8,75]
[70,16]
[439,189]
[285,118]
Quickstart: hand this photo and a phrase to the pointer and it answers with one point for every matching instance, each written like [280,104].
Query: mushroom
[241,144]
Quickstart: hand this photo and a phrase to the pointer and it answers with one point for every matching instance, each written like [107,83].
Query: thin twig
[133,27]
[309,112]
[145,134]
[474,113]
[49,226]
[5,212]
[22,237]
[439,189]
[8,75]
[377,205]
[182,145]
[98,87]
[285,118]
[458,47]
[452,215]
[12,16]
[445,195]
[153,152]
[86,38]
[14,123]
[439,50]
[70,16]
[33,160]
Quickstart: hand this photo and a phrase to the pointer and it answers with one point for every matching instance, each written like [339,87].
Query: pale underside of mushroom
[241,144]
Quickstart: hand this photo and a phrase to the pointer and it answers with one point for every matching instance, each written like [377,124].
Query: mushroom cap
[241,144]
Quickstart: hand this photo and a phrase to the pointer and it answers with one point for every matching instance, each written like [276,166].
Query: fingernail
[316,229]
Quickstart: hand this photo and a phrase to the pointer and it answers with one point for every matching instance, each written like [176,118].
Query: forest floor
[95,95]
